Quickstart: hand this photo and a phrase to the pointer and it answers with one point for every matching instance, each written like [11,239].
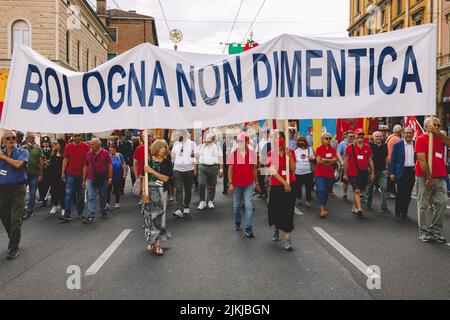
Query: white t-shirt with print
[303,166]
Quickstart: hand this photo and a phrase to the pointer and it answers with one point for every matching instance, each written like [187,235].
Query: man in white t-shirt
[210,166]
[183,152]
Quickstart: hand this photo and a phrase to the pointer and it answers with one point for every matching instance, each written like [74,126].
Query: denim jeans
[74,184]
[381,180]
[92,195]
[246,194]
[324,187]
[33,186]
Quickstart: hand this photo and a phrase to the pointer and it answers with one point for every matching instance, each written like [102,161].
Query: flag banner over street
[289,77]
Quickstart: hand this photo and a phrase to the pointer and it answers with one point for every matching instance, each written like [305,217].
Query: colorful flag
[329,125]
[235,48]
[411,121]
[250,44]
[3,81]
[344,125]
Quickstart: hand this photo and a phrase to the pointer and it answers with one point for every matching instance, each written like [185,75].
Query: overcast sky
[207,23]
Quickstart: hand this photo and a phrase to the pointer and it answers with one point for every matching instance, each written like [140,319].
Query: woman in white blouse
[304,172]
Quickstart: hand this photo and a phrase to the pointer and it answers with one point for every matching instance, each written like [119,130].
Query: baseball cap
[359,131]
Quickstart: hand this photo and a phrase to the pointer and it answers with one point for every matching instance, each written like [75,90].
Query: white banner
[289,77]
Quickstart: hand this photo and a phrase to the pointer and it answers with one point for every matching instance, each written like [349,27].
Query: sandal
[159,251]
[150,248]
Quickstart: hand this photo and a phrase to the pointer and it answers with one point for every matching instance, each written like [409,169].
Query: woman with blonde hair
[160,171]
[326,157]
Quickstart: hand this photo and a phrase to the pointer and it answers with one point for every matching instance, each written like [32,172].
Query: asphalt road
[206,259]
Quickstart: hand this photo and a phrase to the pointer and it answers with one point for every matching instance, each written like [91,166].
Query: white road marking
[298,212]
[347,254]
[95,267]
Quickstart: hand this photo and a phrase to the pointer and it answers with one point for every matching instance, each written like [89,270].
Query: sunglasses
[10,138]
[327,138]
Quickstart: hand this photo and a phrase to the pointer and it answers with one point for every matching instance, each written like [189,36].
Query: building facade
[443,64]
[68,32]
[377,16]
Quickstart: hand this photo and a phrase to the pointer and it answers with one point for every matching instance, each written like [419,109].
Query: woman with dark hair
[119,175]
[57,185]
[282,192]
[304,174]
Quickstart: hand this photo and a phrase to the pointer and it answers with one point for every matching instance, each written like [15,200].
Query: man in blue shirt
[13,178]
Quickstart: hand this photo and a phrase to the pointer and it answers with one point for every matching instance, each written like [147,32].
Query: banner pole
[430,147]
[146,163]
[286,134]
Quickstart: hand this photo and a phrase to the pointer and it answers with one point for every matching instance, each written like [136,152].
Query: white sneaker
[107,206]
[210,205]
[117,206]
[186,211]
[54,210]
[62,212]
[178,213]
[202,205]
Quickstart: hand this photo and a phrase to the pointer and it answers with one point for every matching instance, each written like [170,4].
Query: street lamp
[176,36]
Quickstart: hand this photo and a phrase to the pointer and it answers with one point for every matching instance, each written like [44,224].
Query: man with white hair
[209,166]
[97,176]
[13,177]
[431,182]
[395,137]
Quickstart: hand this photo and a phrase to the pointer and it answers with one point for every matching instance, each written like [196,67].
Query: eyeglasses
[361,135]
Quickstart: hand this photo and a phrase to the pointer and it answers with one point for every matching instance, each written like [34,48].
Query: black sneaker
[28,214]
[65,218]
[287,245]
[425,237]
[438,237]
[80,217]
[237,228]
[12,254]
[89,220]
[249,234]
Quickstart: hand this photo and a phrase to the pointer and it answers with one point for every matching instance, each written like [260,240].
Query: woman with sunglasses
[326,158]
[358,167]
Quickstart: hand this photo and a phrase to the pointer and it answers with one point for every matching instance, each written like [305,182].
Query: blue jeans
[74,184]
[33,186]
[246,193]
[447,181]
[92,195]
[324,187]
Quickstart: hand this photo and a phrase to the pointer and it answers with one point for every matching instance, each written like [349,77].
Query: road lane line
[299,212]
[95,267]
[347,254]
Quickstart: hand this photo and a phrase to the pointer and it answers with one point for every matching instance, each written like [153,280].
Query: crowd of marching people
[283,170]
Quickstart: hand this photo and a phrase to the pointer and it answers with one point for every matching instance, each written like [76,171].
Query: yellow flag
[317,131]
[3,81]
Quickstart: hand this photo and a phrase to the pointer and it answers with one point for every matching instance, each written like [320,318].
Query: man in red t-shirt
[358,168]
[97,176]
[72,174]
[242,179]
[431,182]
